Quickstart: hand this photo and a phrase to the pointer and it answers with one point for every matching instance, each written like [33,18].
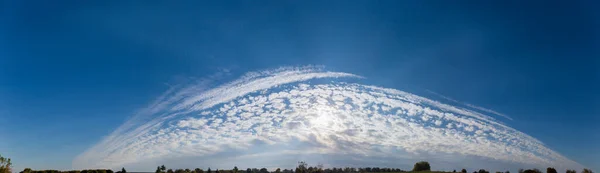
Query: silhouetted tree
[532,171]
[587,171]
[571,171]
[158,170]
[302,166]
[311,169]
[5,165]
[170,171]
[123,170]
[208,171]
[422,166]
[483,171]
[278,170]
[463,170]
[551,170]
[26,170]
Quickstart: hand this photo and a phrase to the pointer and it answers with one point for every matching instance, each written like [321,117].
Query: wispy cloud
[471,105]
[282,108]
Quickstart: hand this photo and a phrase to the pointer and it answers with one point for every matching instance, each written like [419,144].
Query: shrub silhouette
[551,170]
[422,166]
[532,171]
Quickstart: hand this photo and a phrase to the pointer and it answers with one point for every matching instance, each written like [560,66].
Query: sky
[462,84]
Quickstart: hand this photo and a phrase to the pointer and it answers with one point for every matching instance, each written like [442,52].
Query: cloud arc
[278,107]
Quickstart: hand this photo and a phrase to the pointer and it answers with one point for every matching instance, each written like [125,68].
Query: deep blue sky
[73,71]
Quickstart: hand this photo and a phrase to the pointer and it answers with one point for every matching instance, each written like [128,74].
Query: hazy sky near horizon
[110,83]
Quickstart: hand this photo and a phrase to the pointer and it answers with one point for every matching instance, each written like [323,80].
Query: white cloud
[274,108]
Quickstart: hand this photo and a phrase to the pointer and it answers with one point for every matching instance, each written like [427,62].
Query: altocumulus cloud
[284,107]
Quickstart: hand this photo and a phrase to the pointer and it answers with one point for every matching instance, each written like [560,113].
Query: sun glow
[324,118]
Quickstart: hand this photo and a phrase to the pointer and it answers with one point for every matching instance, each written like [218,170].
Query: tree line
[303,167]
[28,170]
